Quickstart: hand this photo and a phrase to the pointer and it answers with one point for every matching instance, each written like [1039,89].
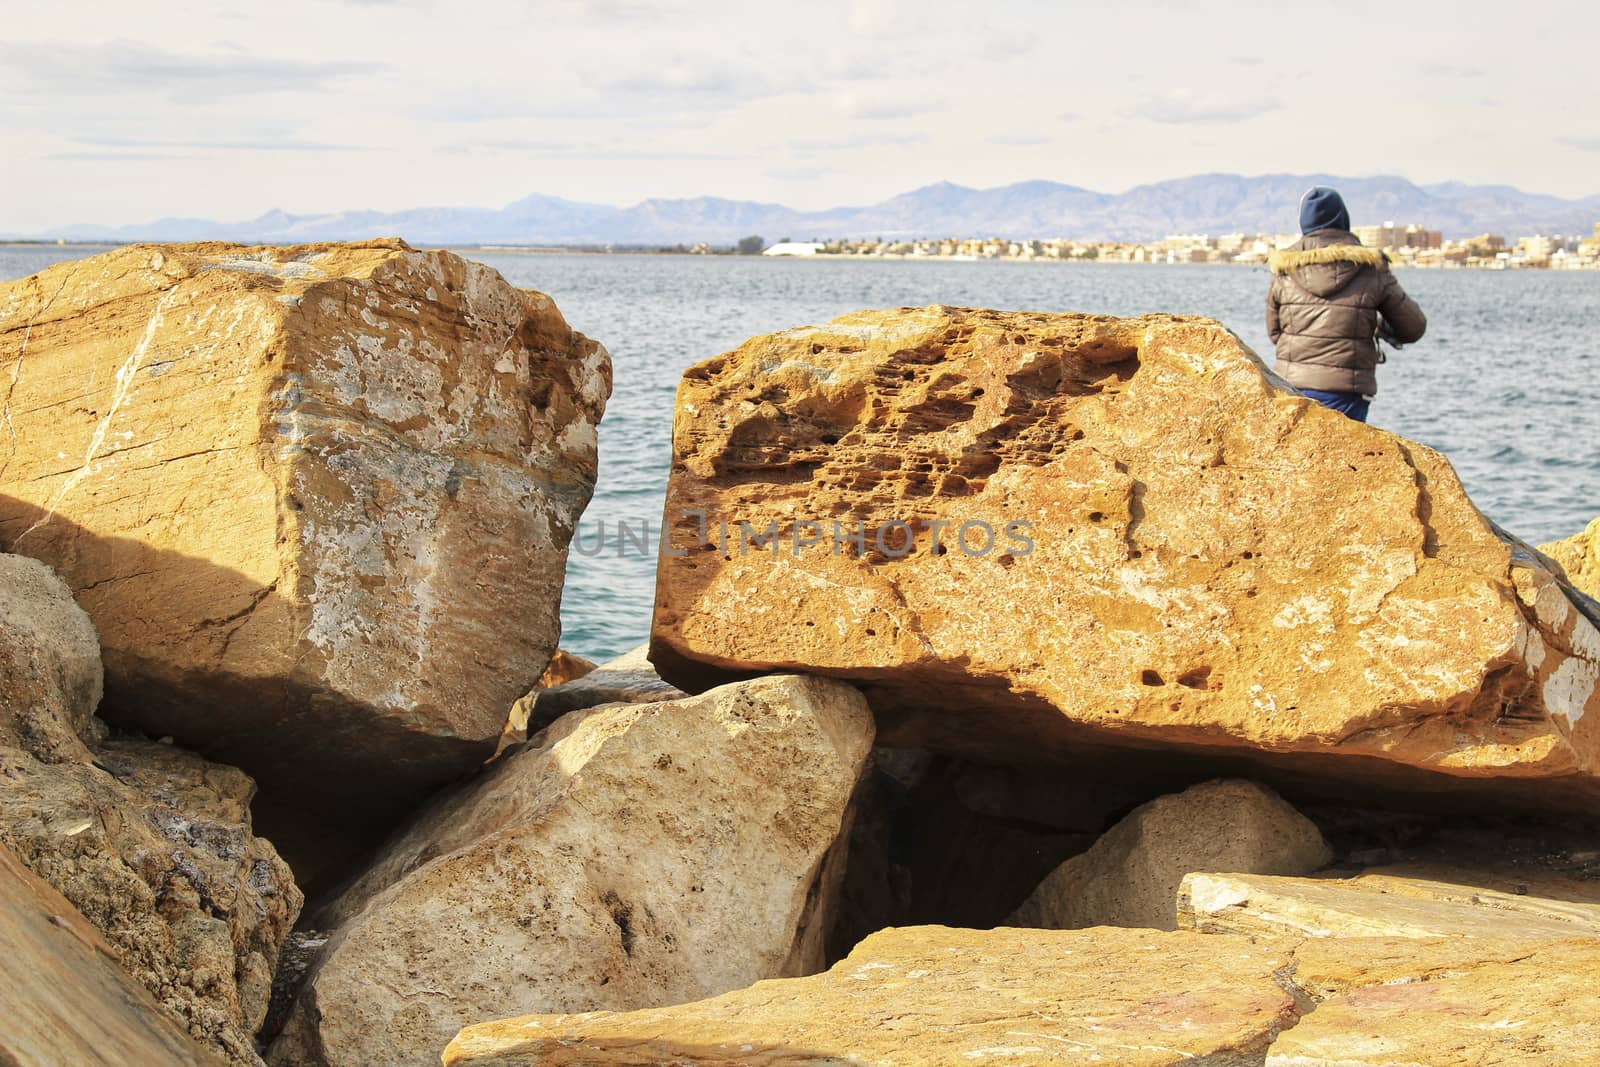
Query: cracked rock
[1580,556]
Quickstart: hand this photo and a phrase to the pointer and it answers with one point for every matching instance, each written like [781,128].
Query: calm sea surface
[1506,384]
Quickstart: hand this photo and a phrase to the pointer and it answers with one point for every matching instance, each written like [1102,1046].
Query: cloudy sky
[129,112]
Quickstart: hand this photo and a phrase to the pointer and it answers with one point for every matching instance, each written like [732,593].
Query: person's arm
[1273,329]
[1405,320]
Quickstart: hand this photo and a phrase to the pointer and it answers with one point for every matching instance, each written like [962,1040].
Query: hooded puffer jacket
[1328,291]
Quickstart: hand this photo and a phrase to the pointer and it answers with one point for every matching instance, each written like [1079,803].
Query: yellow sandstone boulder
[1580,556]
[1033,535]
[316,499]
[1483,1003]
[151,844]
[928,995]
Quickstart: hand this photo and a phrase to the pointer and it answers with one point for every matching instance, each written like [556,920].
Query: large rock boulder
[316,499]
[1131,876]
[1579,555]
[66,1000]
[1423,902]
[151,844]
[1027,535]
[629,856]
[154,846]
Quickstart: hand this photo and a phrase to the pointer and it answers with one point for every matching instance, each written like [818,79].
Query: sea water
[1506,384]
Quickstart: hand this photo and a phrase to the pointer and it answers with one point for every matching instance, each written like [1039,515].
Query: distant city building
[1392,236]
[1413,246]
[1539,246]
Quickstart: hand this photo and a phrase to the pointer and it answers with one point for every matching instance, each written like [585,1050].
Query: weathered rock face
[632,855]
[1579,555]
[66,1000]
[154,846]
[316,499]
[151,844]
[1161,548]
[932,995]
[1132,874]
[1378,903]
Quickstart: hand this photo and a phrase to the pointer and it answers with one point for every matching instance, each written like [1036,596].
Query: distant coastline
[1152,254]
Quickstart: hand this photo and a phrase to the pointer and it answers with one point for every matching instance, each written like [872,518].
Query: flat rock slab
[1027,534]
[316,499]
[66,1000]
[1442,1004]
[1418,903]
[933,995]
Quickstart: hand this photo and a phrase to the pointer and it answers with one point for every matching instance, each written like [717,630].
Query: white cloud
[137,111]
[1185,106]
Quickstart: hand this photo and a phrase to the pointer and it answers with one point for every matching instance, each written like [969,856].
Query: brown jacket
[1323,307]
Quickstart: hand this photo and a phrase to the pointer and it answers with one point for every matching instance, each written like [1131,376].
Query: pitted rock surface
[1209,563]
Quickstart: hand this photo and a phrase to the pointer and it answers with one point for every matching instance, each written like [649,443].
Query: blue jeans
[1352,404]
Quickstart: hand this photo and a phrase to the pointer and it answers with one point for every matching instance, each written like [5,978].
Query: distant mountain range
[1206,203]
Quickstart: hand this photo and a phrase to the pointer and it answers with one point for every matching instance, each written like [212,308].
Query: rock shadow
[334,776]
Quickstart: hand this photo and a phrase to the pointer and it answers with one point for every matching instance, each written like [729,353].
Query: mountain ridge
[1031,209]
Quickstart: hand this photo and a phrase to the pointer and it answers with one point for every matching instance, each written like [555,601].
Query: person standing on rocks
[1330,301]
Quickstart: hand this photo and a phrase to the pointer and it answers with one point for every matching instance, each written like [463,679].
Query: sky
[129,112]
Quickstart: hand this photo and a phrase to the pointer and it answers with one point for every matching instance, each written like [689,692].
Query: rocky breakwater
[152,846]
[1035,536]
[316,500]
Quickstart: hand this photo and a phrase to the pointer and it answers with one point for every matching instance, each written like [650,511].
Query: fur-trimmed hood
[1284,260]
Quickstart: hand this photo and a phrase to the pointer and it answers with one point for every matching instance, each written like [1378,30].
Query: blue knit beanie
[1322,209]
